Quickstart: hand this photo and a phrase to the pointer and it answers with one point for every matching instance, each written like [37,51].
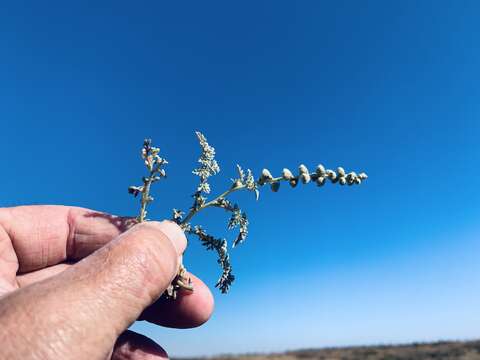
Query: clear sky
[391,88]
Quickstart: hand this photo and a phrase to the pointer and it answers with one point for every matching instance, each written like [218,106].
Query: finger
[81,311]
[46,235]
[190,309]
[32,277]
[133,346]
[42,274]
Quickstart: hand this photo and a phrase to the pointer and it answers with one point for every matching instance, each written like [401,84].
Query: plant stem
[145,197]
[193,211]
[223,195]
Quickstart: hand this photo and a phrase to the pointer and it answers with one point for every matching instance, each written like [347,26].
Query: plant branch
[214,202]
[145,198]
[208,167]
[318,176]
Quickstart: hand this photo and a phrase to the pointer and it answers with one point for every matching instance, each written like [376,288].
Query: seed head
[320,170]
[275,186]
[266,174]
[303,169]
[332,176]
[351,176]
[305,178]
[304,175]
[208,167]
[236,184]
[287,174]
[265,177]
[320,181]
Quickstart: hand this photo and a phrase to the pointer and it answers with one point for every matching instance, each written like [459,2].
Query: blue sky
[389,88]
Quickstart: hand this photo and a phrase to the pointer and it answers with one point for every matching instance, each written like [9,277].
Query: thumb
[80,312]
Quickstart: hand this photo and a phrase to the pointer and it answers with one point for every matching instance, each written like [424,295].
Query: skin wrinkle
[88,238]
[127,273]
[114,288]
[45,249]
[8,261]
[108,301]
[54,331]
[124,277]
[12,234]
[6,229]
[57,339]
[35,239]
[56,236]
[159,258]
[64,332]
[141,260]
[9,306]
[92,306]
[85,240]
[93,244]
[70,245]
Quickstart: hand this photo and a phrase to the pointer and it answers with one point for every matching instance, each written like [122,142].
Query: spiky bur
[238,218]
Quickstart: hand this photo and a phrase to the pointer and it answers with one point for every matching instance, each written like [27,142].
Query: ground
[451,350]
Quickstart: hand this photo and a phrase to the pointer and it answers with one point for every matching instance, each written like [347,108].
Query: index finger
[45,235]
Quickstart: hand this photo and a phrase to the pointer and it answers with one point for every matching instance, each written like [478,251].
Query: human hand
[73,280]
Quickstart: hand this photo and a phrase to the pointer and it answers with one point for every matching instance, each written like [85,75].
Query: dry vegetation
[439,350]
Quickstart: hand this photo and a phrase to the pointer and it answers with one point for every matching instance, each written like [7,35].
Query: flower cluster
[208,167]
[221,247]
[238,218]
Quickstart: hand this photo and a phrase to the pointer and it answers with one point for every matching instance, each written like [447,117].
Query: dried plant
[208,167]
